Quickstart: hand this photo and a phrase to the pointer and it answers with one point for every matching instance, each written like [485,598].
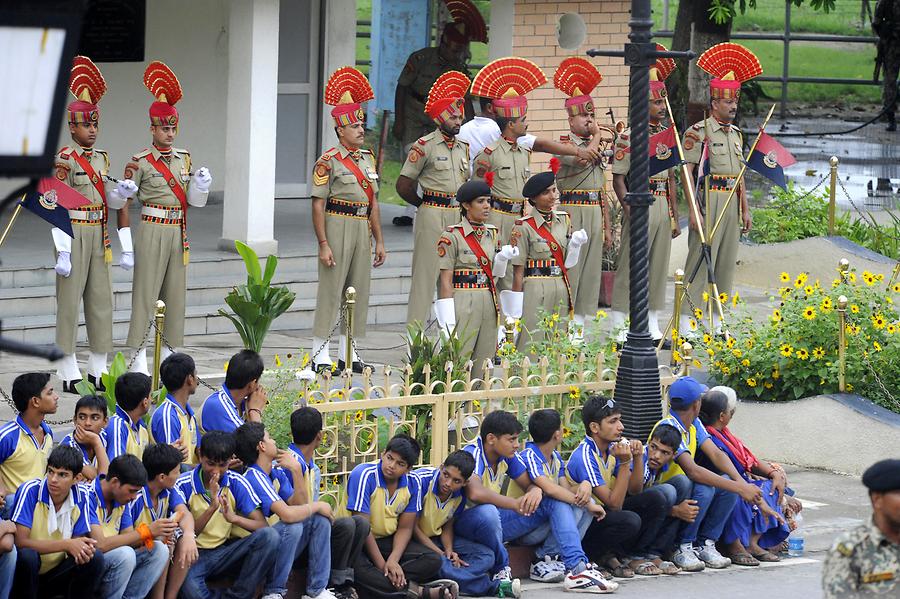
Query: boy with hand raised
[126,431]
[89,436]
[241,397]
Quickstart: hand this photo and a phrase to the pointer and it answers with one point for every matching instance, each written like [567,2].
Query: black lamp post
[637,380]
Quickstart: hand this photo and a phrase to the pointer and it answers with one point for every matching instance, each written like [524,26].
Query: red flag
[63,195]
[663,151]
[770,158]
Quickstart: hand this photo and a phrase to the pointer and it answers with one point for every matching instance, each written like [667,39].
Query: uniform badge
[484,261]
[61,173]
[48,200]
[553,246]
[413,156]
[877,577]
[95,179]
[320,174]
[663,151]
[441,250]
[620,155]
[172,183]
[690,138]
[771,159]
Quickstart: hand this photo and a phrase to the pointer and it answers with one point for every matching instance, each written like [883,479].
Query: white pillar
[249,213]
[338,50]
[500,42]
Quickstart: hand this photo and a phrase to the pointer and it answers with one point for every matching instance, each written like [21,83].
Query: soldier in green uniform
[865,562]
[82,263]
[663,214]
[470,258]
[547,250]
[439,164]
[346,218]
[730,64]
[165,187]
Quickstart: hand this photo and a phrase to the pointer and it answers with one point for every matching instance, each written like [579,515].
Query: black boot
[892,122]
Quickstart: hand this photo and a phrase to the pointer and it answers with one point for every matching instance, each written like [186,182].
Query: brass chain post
[686,357]
[159,318]
[832,193]
[350,300]
[676,311]
[842,341]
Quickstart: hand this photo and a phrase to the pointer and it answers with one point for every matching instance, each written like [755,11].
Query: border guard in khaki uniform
[346,217]
[663,224]
[82,263]
[439,164]
[165,187]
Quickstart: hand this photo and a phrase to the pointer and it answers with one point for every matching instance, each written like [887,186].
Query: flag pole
[12,220]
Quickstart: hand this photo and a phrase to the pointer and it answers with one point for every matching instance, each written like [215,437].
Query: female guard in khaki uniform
[470,259]
[346,217]
[165,188]
[547,249]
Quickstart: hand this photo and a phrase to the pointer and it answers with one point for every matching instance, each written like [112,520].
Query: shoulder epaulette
[65,152]
[329,153]
[490,226]
[697,126]
[142,154]
[456,226]
[426,138]
[564,138]
[521,221]
[488,151]
[99,151]
[182,151]
[459,140]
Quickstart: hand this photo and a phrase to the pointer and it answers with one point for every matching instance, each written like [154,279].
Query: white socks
[322,356]
[96,365]
[140,362]
[67,368]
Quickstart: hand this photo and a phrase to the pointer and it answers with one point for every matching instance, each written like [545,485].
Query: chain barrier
[794,202]
[866,216]
[143,344]
[863,351]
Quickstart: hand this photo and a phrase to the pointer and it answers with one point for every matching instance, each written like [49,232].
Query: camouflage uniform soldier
[865,562]
[439,163]
[886,24]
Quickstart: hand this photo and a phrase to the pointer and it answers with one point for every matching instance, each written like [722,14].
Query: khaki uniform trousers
[159,273]
[660,240]
[476,325]
[548,293]
[90,279]
[584,277]
[350,241]
[431,221]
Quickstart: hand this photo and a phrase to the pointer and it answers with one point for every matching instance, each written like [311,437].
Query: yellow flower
[801,280]
[896,287]
[567,432]
[335,480]
[735,299]
[338,393]
[776,374]
[226,366]
[707,339]
[705,297]
[277,360]
[878,321]
[785,277]
[868,277]
[676,355]
[849,387]
[826,304]
[809,313]
[304,361]
[768,385]
[776,315]
[737,353]
[786,350]
[808,290]
[698,313]
[835,283]
[876,345]
[785,292]
[725,369]
[745,363]
[723,297]
[854,308]
[321,486]
[730,343]
[818,353]
[574,392]
[802,353]
[751,382]
[696,363]
[476,405]
[749,343]
[892,328]
[693,324]
[601,314]
[879,277]
[852,277]
[710,352]
[359,416]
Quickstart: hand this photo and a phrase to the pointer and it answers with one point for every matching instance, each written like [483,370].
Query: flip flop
[765,556]
[647,569]
[668,568]
[743,559]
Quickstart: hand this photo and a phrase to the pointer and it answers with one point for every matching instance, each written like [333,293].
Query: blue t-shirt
[537,465]
[142,509]
[270,488]
[71,442]
[219,412]
[588,464]
[493,478]
[701,434]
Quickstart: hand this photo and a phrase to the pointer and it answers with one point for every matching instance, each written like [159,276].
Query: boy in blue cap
[715,495]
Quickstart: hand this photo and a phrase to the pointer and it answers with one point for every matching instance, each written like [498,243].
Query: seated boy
[495,461]
[173,422]
[26,441]
[133,560]
[241,397]
[546,470]
[715,495]
[384,492]
[614,469]
[348,535]
[53,518]
[282,493]
[126,431]
[467,562]
[89,436]
[221,500]
[160,500]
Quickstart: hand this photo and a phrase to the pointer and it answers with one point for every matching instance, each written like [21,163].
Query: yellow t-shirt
[435,513]
[234,488]
[367,493]
[22,458]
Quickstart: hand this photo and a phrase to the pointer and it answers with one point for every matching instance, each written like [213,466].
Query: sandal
[743,559]
[765,556]
[646,569]
[618,569]
[667,568]
[442,588]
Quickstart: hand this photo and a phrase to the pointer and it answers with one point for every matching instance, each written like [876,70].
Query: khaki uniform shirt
[534,247]
[510,164]
[152,186]
[862,562]
[422,69]
[331,179]
[725,146]
[622,157]
[70,172]
[437,163]
[574,176]
[454,252]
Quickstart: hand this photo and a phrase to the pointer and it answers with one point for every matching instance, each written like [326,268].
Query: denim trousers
[546,542]
[481,524]
[249,561]
[71,579]
[130,573]
[715,508]
[677,489]
[476,578]
[562,523]
[313,533]
[7,571]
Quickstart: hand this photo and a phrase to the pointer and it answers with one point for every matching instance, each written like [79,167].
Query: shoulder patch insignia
[514,236]
[422,141]
[130,168]
[441,250]
[413,155]
[697,126]
[623,136]
[62,171]
[488,151]
[844,549]
[320,173]
[620,155]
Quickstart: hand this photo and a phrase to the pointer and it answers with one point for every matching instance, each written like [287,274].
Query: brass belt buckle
[173,214]
[361,210]
[480,278]
[593,195]
[555,271]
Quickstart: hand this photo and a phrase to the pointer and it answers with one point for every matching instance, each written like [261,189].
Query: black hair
[217,446]
[28,385]
[462,461]
[542,424]
[406,447]
[668,435]
[246,441]
[244,367]
[66,457]
[131,389]
[502,122]
[161,458]
[712,404]
[128,469]
[595,409]
[94,403]
[306,422]
[484,103]
[175,369]
[500,423]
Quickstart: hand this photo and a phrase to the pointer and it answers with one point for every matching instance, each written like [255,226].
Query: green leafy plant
[117,368]
[257,303]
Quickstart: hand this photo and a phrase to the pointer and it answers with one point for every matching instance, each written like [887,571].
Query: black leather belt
[543,271]
[582,198]
[341,208]
[441,201]
[471,280]
[509,206]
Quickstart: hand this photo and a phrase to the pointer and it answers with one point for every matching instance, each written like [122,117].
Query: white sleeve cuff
[125,239]
[61,240]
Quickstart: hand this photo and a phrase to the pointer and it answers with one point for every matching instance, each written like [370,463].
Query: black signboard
[113,30]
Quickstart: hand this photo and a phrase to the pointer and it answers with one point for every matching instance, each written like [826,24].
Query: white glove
[502,258]
[198,189]
[63,264]
[511,303]
[445,312]
[125,241]
[61,241]
[127,261]
[118,192]
[126,188]
[579,238]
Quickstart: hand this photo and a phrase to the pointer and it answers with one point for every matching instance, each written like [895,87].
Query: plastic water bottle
[796,540]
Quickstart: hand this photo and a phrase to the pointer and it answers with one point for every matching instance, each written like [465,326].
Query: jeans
[68,578]
[715,509]
[677,489]
[348,537]
[419,564]
[612,535]
[313,532]
[130,573]
[249,560]
[482,525]
[562,523]
[7,571]
[548,543]
[474,579]
[652,506]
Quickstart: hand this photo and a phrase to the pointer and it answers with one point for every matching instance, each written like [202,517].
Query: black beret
[882,476]
[470,190]
[538,183]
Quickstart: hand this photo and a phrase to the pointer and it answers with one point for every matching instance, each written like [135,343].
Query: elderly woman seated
[752,530]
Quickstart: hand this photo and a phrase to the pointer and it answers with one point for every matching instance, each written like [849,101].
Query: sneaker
[505,574]
[711,556]
[686,559]
[325,594]
[510,588]
[588,581]
[273,596]
[547,570]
